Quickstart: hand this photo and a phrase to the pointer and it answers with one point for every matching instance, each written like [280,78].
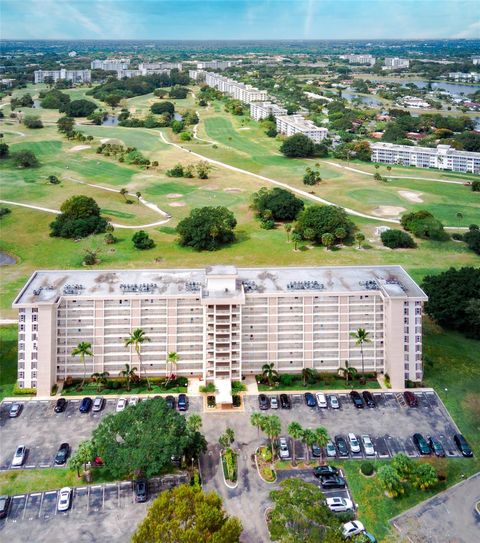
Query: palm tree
[138,194]
[194,422]
[288,228]
[136,338]
[359,238]
[100,379]
[269,373]
[129,374]
[83,349]
[307,375]
[172,359]
[295,431]
[230,434]
[309,437]
[124,193]
[347,372]
[257,420]
[321,438]
[296,238]
[361,337]
[272,427]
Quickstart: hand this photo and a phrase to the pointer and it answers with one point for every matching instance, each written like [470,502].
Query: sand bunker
[245,128]
[174,195]
[232,190]
[388,211]
[177,204]
[210,187]
[79,148]
[411,196]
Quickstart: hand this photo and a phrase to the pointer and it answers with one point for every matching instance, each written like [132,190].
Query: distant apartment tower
[476,60]
[359,59]
[216,64]
[465,76]
[238,91]
[296,124]
[111,64]
[159,67]
[197,75]
[262,110]
[223,322]
[396,63]
[75,76]
[442,157]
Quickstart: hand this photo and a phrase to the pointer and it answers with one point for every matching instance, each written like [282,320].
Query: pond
[368,100]
[36,104]
[177,116]
[453,88]
[6,259]
[110,120]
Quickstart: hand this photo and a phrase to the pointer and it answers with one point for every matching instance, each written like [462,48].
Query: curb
[258,470]
[228,485]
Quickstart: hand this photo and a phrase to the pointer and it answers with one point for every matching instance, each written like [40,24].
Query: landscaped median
[230,467]
[263,461]
[93,387]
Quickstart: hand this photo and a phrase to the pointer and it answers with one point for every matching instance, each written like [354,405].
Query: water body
[177,116]
[453,88]
[111,120]
[6,259]
[36,104]
[368,100]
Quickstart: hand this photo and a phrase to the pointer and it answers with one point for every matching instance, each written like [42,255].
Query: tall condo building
[223,322]
[238,91]
[296,124]
[75,76]
[262,110]
[111,64]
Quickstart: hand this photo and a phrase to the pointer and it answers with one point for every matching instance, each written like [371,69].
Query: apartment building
[223,322]
[396,63]
[75,76]
[238,91]
[216,64]
[475,60]
[197,75]
[111,64]
[262,110]
[158,67]
[473,77]
[296,124]
[359,59]
[443,157]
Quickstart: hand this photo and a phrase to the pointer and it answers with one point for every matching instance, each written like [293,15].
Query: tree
[423,224]
[138,194]
[403,465]
[100,379]
[288,228]
[55,99]
[359,238]
[311,177]
[390,480]
[269,373]
[323,219]
[163,107]
[272,427]
[300,515]
[129,374]
[186,514]
[472,239]
[257,420]
[295,431]
[207,228]
[194,422]
[33,121]
[83,349]
[84,455]
[476,185]
[113,99]
[397,239]
[347,372]
[309,437]
[328,240]
[123,192]
[25,159]
[297,146]
[80,217]
[203,169]
[361,337]
[53,179]
[296,238]
[283,204]
[321,438]
[80,108]
[172,359]
[65,125]
[178,92]
[340,234]
[449,294]
[137,338]
[141,240]
[307,375]
[143,441]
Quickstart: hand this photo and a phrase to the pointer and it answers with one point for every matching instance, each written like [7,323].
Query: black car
[342,446]
[333,481]
[170,401]
[285,402]
[60,406]
[182,403]
[356,399]
[310,399]
[263,402]
[316,451]
[462,445]
[85,405]
[322,471]
[62,454]
[410,398]
[141,490]
[369,399]
[421,444]
[4,505]
[436,447]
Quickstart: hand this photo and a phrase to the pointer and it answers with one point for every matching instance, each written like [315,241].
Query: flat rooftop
[50,285]
[300,122]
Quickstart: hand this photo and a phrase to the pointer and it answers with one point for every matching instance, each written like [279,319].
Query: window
[34,356]
[21,375]
[34,384]
[21,356]
[35,310]
[405,348]
[405,311]
[406,330]
[21,346]
[405,338]
[34,318]
[34,327]
[407,358]
[22,328]
[418,311]
[22,318]
[21,337]
[405,321]
[34,374]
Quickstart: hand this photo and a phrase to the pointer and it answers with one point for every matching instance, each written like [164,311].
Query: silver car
[273,402]
[98,404]
[19,456]
[15,410]
[331,449]
[334,403]
[353,442]
[368,445]
[284,452]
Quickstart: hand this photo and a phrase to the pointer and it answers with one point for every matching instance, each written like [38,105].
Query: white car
[334,403]
[321,400]
[339,505]
[98,404]
[19,456]
[133,401]
[353,442]
[284,452]
[331,449]
[352,528]
[368,445]
[64,499]
[273,402]
[121,404]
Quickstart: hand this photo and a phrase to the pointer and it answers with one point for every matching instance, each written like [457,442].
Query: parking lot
[42,430]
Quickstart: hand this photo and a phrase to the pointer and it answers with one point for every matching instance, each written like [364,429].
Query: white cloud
[472,31]
[309,17]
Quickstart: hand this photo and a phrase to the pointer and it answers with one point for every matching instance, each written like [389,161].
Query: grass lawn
[8,359]
[90,389]
[331,384]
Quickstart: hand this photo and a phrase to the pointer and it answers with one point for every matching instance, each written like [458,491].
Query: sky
[239,19]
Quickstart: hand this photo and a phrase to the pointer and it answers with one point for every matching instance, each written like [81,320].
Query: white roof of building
[440,149]
[300,122]
[49,285]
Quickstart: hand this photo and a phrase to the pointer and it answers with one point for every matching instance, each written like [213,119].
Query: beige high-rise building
[223,322]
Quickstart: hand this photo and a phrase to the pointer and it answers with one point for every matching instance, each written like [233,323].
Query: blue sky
[239,19]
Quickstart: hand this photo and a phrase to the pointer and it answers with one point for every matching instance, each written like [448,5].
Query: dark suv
[310,399]
[263,402]
[141,490]
[285,402]
[170,401]
[322,471]
[182,402]
[4,504]
[369,399]
[60,406]
[421,444]
[356,399]
[85,405]
[342,447]
[462,445]
[62,454]
[410,398]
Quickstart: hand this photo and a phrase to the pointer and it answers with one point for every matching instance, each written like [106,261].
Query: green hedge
[24,391]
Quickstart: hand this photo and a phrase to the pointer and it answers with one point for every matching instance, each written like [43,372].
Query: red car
[410,398]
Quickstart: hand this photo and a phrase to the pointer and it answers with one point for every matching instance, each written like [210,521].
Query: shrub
[283,205]
[267,473]
[424,476]
[266,454]
[476,185]
[163,107]
[390,480]
[4,150]
[237,401]
[208,389]
[175,171]
[238,386]
[457,236]
[53,180]
[4,211]
[367,468]
[25,159]
[17,391]
[317,220]
[54,390]
[403,465]
[185,136]
[286,379]
[141,240]
[32,121]
[423,224]
[298,145]
[472,239]
[397,239]
[211,402]
[230,464]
